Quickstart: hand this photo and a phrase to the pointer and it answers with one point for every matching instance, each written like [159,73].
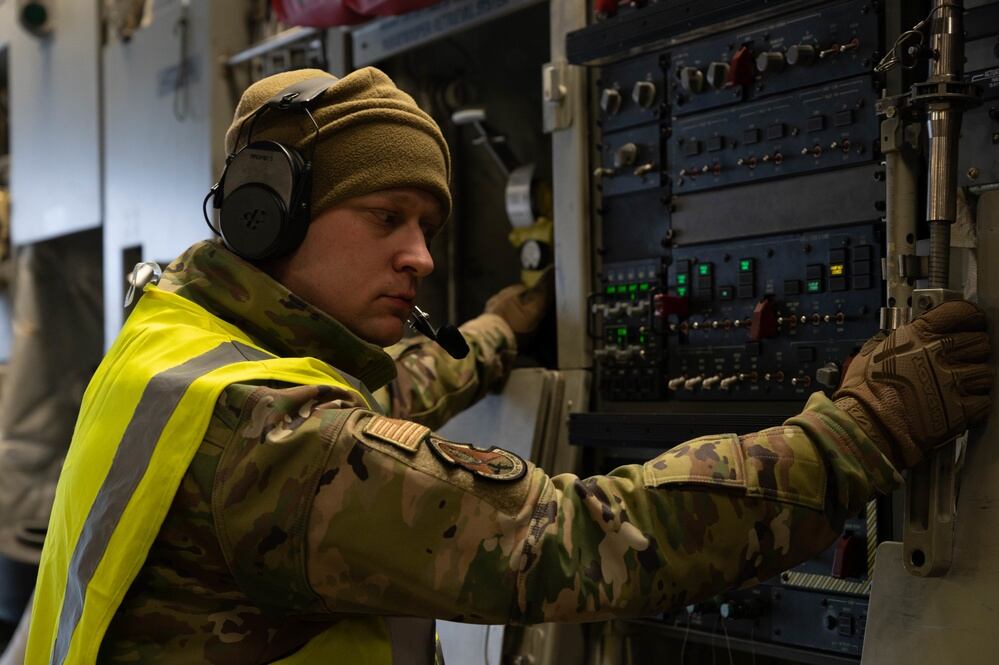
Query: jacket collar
[243,295]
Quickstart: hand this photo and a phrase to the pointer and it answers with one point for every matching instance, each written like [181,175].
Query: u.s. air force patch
[493,464]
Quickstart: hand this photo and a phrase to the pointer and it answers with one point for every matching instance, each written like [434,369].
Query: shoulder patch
[492,464]
[403,434]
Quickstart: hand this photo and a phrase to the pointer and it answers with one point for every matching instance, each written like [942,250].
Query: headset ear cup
[299,214]
[252,222]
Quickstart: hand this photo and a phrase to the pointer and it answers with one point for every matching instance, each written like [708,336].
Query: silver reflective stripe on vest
[363,391]
[131,459]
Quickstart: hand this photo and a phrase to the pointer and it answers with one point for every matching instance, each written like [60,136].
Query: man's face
[362,260]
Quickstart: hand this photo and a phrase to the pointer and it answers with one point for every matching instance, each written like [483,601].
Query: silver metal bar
[901,214]
[931,490]
[943,124]
[571,194]
[280,40]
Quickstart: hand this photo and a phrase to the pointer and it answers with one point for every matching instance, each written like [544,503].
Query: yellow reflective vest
[143,418]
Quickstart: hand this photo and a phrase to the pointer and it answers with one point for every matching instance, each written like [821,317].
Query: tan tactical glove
[522,307]
[921,385]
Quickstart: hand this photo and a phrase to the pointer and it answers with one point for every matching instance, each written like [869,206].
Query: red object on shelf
[316,13]
[388,7]
[329,13]
[605,7]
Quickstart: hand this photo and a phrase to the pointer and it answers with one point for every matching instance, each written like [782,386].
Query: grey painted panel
[831,198]
[163,145]
[55,123]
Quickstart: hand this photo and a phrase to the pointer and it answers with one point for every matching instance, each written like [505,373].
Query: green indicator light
[611,290]
[681,291]
[644,286]
[632,287]
[681,278]
[814,286]
[641,339]
[703,269]
[622,288]
[746,265]
[725,293]
[622,332]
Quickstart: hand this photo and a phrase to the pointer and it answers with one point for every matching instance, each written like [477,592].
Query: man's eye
[385,216]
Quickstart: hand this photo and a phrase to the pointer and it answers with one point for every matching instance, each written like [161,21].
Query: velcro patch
[492,464]
[403,434]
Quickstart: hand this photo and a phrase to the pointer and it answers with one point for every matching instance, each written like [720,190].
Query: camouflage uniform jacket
[302,507]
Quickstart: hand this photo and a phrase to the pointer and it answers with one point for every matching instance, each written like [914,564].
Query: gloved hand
[524,308]
[921,385]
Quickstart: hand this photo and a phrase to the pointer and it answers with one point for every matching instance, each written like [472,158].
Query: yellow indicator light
[836,269]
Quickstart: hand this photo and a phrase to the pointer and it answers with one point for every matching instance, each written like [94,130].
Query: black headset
[262,196]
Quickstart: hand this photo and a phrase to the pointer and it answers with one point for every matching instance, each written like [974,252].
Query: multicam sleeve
[431,386]
[410,524]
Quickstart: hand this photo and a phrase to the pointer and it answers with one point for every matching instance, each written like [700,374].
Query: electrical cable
[892,59]
[728,644]
[714,633]
[204,210]
[683,647]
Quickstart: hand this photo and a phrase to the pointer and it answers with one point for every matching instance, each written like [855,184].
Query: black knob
[610,101]
[692,79]
[801,54]
[770,61]
[644,93]
[717,74]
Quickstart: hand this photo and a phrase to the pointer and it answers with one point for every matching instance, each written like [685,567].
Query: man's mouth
[407,297]
[403,302]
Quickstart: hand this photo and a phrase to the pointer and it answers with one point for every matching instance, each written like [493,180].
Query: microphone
[448,337]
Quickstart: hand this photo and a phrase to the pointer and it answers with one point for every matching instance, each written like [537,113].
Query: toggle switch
[764,323]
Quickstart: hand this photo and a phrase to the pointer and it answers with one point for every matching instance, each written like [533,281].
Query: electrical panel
[738,266]
[773,317]
[979,150]
[691,141]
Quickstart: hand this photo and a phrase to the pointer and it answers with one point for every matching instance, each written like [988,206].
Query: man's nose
[414,255]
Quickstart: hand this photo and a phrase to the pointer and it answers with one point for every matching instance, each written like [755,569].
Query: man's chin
[384,332]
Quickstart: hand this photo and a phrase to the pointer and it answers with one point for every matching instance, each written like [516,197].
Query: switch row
[643,93]
[718,75]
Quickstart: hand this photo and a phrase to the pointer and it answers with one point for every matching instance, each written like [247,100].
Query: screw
[973,173]
[891,111]
[924,303]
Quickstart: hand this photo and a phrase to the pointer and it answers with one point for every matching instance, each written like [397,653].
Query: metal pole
[943,124]
[931,489]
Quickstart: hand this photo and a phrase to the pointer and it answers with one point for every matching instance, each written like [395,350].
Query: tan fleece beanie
[372,136]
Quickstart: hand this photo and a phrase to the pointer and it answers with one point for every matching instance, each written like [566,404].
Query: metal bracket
[556,95]
[931,488]
[913,267]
